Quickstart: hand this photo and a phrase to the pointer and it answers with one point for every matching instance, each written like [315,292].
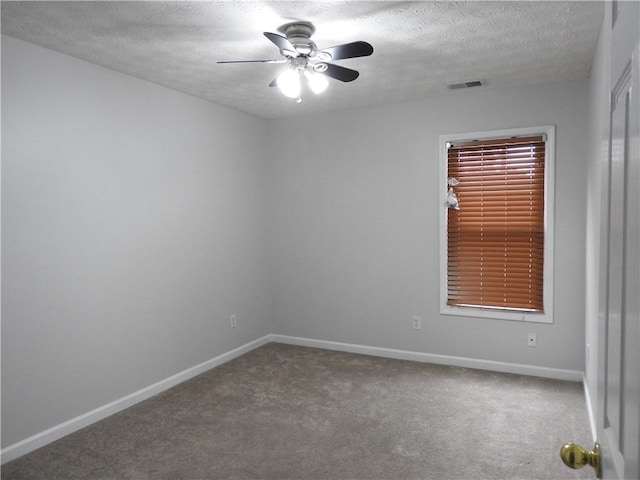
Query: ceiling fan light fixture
[289,83]
[317,82]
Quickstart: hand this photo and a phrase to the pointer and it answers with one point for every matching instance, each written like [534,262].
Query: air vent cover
[456,86]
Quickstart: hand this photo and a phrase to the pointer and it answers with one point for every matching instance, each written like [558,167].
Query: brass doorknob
[575,456]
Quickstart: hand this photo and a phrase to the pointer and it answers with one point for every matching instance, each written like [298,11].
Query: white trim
[549,192]
[503,367]
[55,433]
[590,412]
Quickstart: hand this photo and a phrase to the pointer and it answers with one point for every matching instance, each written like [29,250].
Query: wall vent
[457,86]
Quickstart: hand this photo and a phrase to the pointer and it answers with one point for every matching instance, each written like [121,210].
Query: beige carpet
[284,412]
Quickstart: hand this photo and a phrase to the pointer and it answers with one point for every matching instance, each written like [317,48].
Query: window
[496,229]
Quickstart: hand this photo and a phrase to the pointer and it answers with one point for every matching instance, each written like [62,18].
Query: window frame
[549,188]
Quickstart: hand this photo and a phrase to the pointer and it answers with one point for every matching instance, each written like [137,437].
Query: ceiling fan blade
[340,73]
[348,50]
[283,60]
[282,43]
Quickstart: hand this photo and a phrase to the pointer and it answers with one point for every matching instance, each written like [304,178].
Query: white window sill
[496,314]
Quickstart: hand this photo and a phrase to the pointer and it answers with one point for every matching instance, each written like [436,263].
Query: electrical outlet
[416,323]
[233,321]
[531,340]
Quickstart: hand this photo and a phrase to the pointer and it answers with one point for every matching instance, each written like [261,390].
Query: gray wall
[356,210]
[137,219]
[133,224]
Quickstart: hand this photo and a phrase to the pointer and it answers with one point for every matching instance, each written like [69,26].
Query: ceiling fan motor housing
[299,35]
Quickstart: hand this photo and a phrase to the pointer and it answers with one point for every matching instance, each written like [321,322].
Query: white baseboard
[546,372]
[55,433]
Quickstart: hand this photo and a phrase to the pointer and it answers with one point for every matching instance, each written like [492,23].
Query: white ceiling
[419,47]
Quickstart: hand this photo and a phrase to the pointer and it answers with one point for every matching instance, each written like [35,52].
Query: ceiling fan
[304,59]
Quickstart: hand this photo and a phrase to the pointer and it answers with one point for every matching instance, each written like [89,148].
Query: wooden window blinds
[495,241]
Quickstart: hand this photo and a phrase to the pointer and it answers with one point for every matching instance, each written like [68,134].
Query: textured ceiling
[419,47]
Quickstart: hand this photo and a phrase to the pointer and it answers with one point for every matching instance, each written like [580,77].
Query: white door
[619,369]
[617,451]
[619,372]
